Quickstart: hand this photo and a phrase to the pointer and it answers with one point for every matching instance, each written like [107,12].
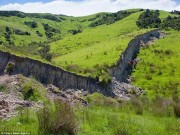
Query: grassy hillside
[98,46]
[103,115]
[74,45]
[31,38]
[160,73]
[90,52]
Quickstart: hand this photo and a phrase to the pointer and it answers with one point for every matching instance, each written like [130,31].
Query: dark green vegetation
[70,43]
[9,68]
[171,23]
[175,12]
[150,19]
[111,18]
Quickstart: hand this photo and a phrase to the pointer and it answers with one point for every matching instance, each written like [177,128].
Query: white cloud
[86,7]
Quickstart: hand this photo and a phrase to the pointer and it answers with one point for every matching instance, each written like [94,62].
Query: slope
[160,73]
[98,46]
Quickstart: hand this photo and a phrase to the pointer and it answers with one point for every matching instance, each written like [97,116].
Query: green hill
[101,45]
[160,73]
[89,46]
[74,44]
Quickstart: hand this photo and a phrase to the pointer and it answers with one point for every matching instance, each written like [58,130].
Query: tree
[44,53]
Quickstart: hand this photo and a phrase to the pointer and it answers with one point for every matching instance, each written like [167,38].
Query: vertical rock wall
[122,69]
[48,74]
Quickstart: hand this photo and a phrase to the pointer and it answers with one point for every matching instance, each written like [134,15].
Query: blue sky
[85,7]
[4,2]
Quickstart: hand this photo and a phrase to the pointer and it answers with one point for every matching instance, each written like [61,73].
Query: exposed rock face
[48,74]
[121,70]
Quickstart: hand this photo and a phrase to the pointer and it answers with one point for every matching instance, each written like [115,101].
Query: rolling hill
[89,46]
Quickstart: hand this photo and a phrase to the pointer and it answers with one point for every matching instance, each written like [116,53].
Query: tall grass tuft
[177,109]
[61,120]
[138,106]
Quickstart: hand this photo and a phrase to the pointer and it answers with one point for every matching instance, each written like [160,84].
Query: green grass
[100,45]
[157,72]
[108,117]
[108,121]
[160,73]
[25,122]
[105,116]
[81,53]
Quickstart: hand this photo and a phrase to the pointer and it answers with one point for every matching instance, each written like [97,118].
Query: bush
[176,109]
[109,18]
[72,67]
[44,53]
[9,68]
[162,107]
[74,32]
[149,19]
[168,52]
[148,77]
[39,34]
[19,32]
[138,106]
[2,88]
[105,53]
[32,24]
[30,93]
[61,120]
[175,98]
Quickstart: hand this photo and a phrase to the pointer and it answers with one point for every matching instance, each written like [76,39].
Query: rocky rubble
[9,104]
[124,90]
[71,95]
[11,98]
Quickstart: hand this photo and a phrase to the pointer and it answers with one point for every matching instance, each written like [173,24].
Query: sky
[85,7]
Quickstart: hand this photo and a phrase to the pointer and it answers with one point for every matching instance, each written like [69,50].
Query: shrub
[177,109]
[105,53]
[138,106]
[168,52]
[148,77]
[72,67]
[19,32]
[152,69]
[44,53]
[60,120]
[162,107]
[32,24]
[149,19]
[175,98]
[30,93]
[39,34]
[109,18]
[9,68]
[74,32]
[160,72]
[2,88]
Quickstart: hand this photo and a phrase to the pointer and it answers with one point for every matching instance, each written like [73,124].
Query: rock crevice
[48,74]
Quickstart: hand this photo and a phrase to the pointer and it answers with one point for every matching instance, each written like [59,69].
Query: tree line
[150,19]
[111,18]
